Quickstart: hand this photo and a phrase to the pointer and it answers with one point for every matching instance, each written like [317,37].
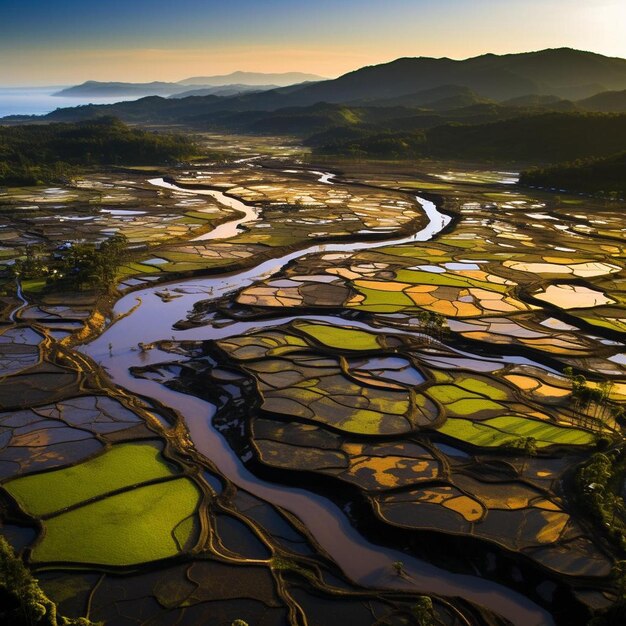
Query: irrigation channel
[141,316]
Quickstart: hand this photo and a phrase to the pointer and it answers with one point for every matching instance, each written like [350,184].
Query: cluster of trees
[434,324]
[83,265]
[30,154]
[34,263]
[525,445]
[91,266]
[598,483]
[26,173]
[549,137]
[387,145]
[592,403]
[605,176]
[424,612]
[22,601]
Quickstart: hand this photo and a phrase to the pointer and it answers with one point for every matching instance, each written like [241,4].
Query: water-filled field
[321,390]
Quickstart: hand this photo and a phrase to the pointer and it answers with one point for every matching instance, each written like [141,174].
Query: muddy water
[362,561]
[223,231]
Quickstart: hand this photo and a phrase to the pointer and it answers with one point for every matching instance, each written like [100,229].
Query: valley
[385,390]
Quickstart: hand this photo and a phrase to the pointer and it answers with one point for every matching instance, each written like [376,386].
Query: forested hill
[562,72]
[535,78]
[550,137]
[604,175]
[606,101]
[547,138]
[33,153]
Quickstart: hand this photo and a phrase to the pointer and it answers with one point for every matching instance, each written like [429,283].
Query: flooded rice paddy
[321,394]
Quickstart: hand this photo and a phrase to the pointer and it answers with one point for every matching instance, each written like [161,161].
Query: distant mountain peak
[240,77]
[562,72]
[438,84]
[244,80]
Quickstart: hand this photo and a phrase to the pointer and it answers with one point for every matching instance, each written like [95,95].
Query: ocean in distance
[39,100]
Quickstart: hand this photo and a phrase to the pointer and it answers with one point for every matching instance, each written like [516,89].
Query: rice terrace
[279,349]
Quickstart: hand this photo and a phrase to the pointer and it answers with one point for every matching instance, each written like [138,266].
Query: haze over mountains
[534,79]
[518,106]
[252,78]
[224,85]
[553,106]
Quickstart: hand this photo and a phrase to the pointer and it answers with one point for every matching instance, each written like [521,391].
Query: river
[152,320]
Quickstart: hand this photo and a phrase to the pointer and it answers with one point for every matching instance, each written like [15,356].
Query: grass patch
[609,322]
[340,338]
[422,185]
[500,431]
[481,386]
[33,285]
[502,196]
[144,524]
[122,466]
[382,301]
[471,406]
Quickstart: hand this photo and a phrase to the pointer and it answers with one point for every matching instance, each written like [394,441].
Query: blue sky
[58,42]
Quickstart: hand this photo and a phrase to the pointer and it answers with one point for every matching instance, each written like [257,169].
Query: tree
[604,388]
[582,394]
[595,485]
[88,266]
[585,396]
[527,446]
[424,611]
[22,601]
[32,154]
[619,574]
[111,254]
[433,323]
[33,265]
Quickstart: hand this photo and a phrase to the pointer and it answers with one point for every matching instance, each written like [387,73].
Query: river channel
[142,317]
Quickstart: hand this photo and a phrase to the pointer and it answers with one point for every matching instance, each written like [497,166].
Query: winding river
[152,320]
[227,229]
[13,316]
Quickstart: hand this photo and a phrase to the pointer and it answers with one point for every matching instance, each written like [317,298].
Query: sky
[63,42]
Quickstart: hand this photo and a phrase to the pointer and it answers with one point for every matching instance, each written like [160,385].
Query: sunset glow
[56,43]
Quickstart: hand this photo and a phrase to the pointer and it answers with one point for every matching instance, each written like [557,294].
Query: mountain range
[225,85]
[252,78]
[406,95]
[548,108]
[562,72]
[532,79]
